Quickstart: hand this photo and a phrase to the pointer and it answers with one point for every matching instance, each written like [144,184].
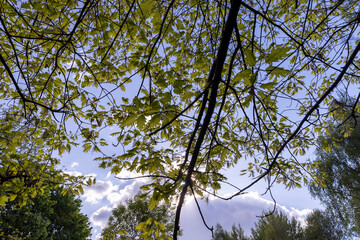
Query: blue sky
[108,192]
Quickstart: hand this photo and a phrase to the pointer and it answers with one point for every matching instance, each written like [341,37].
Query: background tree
[237,233]
[320,225]
[55,215]
[338,167]
[277,225]
[135,220]
[207,84]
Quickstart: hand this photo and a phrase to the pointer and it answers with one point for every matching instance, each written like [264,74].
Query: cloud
[127,192]
[101,216]
[243,210]
[74,164]
[109,191]
[300,215]
[98,191]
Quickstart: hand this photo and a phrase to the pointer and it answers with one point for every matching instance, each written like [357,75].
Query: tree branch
[218,64]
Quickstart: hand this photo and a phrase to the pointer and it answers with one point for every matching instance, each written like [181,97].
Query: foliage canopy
[237,233]
[321,225]
[52,215]
[190,86]
[27,164]
[276,225]
[339,171]
[134,220]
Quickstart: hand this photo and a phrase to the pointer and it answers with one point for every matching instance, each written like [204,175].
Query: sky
[108,192]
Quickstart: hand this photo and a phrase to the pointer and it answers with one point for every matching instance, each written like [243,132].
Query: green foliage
[187,88]
[338,169]
[322,226]
[135,220]
[277,226]
[237,233]
[319,226]
[27,165]
[53,215]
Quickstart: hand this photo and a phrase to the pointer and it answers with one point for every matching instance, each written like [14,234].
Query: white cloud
[101,216]
[243,210]
[300,215]
[127,192]
[109,191]
[74,164]
[98,191]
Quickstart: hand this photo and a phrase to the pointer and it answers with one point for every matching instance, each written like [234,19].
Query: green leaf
[278,71]
[155,120]
[247,100]
[245,74]
[130,120]
[250,58]
[87,147]
[141,121]
[252,80]
[277,53]
[268,86]
[224,154]
[147,6]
